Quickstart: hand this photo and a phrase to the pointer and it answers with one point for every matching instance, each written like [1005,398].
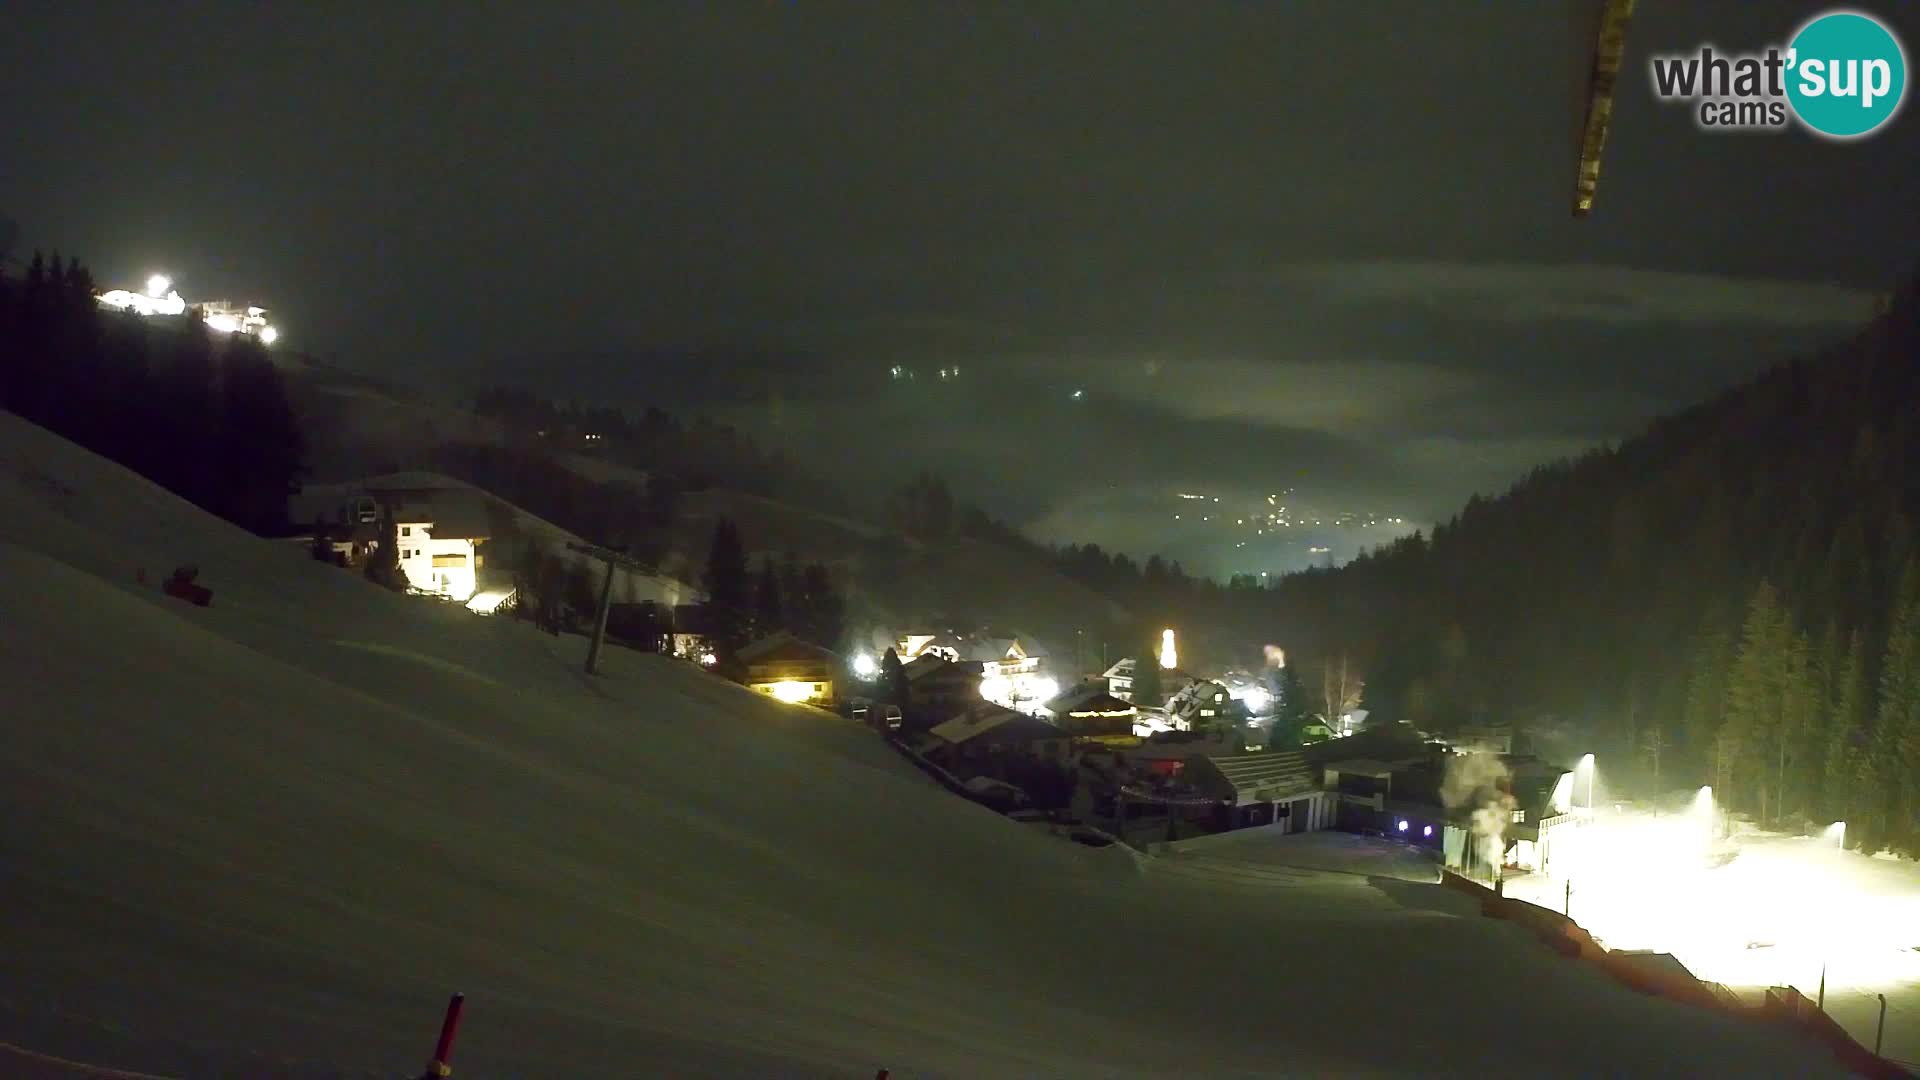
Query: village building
[1013,673]
[1493,739]
[942,646]
[1120,678]
[1541,808]
[986,731]
[439,533]
[1165,754]
[1399,798]
[682,631]
[692,632]
[1090,714]
[1203,704]
[791,670]
[440,557]
[938,689]
[1262,789]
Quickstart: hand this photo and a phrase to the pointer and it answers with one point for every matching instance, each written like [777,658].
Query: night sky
[1320,246]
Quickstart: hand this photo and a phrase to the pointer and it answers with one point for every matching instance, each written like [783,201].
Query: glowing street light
[158,284]
[865,667]
[268,335]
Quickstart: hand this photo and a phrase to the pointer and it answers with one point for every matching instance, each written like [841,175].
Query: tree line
[205,416]
[1725,597]
[1792,724]
[677,455]
[613,513]
[744,604]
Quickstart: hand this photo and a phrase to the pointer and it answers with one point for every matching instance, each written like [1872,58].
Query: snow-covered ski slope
[268,837]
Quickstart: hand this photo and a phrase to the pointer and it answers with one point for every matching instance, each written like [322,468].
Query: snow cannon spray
[1476,781]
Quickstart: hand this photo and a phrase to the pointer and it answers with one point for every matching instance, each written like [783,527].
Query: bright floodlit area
[1746,908]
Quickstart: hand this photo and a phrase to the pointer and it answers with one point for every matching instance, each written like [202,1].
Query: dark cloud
[1325,243]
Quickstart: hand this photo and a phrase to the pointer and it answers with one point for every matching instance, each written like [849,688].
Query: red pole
[443,1049]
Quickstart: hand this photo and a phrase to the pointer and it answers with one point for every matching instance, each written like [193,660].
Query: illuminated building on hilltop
[221,316]
[225,317]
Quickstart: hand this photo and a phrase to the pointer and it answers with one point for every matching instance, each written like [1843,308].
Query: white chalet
[447,565]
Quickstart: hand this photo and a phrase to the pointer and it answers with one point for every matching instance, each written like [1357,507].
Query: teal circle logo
[1847,74]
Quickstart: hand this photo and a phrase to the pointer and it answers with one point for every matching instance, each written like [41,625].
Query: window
[1519,817]
[406,530]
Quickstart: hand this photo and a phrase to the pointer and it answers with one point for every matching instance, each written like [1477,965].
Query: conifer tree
[260,449]
[1846,731]
[769,615]
[727,586]
[824,615]
[893,680]
[185,395]
[1896,743]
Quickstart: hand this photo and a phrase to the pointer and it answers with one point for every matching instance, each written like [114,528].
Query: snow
[270,836]
[1750,911]
[1262,849]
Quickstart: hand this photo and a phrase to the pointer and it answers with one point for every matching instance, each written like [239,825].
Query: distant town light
[269,335]
[1078,394]
[707,659]
[1426,830]
[864,666]
[158,284]
[1403,825]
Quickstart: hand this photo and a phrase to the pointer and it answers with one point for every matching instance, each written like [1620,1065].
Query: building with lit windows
[1090,714]
[221,316]
[439,532]
[791,670]
[1203,704]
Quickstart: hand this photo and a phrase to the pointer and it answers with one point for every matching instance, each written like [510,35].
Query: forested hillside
[1729,598]
[206,415]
